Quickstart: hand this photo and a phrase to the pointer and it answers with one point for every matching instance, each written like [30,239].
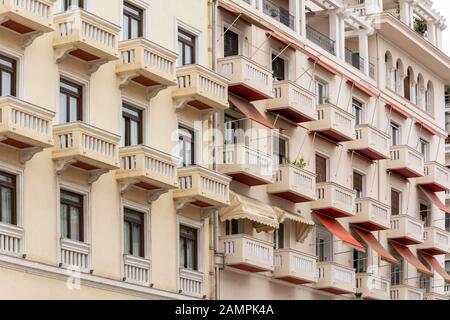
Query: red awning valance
[339,231]
[427,128]
[411,258]
[362,88]
[435,200]
[400,110]
[375,245]
[249,110]
[436,266]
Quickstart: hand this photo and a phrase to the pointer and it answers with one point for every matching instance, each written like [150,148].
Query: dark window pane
[231,43]
[321,169]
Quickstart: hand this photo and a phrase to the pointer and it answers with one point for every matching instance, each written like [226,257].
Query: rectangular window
[234,227]
[186,48]
[424,149]
[279,237]
[278,68]
[131,126]
[447,266]
[72,211]
[447,223]
[395,134]
[133,233]
[321,92]
[321,169]
[70,102]
[324,243]
[397,274]
[425,214]
[360,261]
[188,247]
[7,76]
[73,4]
[133,21]
[186,147]
[395,202]
[230,43]
[232,130]
[358,184]
[358,112]
[425,282]
[8,191]
[280,150]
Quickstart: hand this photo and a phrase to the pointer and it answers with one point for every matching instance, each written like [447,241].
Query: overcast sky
[443,6]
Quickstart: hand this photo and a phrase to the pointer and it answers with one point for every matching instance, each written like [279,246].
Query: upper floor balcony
[334,123]
[248,79]
[146,168]
[405,229]
[292,102]
[87,37]
[370,142]
[25,127]
[371,214]
[406,292]
[136,270]
[30,18]
[11,240]
[435,296]
[200,88]
[202,187]
[321,39]
[436,241]
[335,278]
[358,62]
[436,177]
[279,13]
[293,183]
[294,266]
[334,200]
[247,253]
[146,63]
[406,162]
[372,287]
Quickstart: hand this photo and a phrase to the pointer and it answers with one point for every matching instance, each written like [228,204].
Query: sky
[443,6]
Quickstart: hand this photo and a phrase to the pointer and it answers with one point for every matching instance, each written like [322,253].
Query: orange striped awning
[436,266]
[435,200]
[375,245]
[411,258]
[249,110]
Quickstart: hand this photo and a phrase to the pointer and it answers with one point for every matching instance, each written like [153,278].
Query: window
[395,134]
[425,282]
[133,233]
[72,216]
[234,227]
[7,76]
[8,191]
[133,21]
[324,243]
[358,111]
[232,130]
[425,214]
[70,102]
[188,247]
[280,150]
[447,266]
[131,126]
[279,237]
[321,169]
[186,48]
[360,261]
[230,43]
[186,147]
[397,274]
[424,148]
[447,223]
[278,67]
[73,4]
[321,92]
[358,184]
[395,202]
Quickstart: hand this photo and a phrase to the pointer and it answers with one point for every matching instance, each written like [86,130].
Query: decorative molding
[95,65]
[125,186]
[63,165]
[61,53]
[154,90]
[29,38]
[154,195]
[181,203]
[27,154]
[94,175]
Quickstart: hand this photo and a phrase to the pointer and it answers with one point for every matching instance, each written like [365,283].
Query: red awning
[236,10]
[339,231]
[374,244]
[411,258]
[436,266]
[324,65]
[427,128]
[399,110]
[435,200]
[249,110]
[362,88]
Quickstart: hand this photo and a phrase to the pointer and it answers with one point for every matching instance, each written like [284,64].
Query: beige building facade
[229,149]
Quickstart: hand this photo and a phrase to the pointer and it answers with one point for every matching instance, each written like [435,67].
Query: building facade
[223,149]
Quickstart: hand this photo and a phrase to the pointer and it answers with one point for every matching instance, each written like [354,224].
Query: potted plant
[300,163]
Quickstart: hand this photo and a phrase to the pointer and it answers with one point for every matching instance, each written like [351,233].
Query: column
[337,33]
[406,11]
[431,30]
[294,10]
[374,6]
[363,40]
[302,17]
[439,30]
[258,4]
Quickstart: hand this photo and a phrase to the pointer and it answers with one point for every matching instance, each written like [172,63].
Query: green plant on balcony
[300,163]
[420,26]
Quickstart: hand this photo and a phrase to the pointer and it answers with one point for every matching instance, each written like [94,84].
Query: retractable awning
[249,110]
[401,111]
[435,200]
[411,258]
[303,226]
[427,128]
[375,245]
[234,9]
[247,208]
[362,88]
[339,231]
[436,266]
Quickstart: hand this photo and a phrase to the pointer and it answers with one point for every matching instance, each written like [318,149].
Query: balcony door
[321,169]
[358,184]
[324,245]
[230,43]
[395,202]
[186,147]
[7,76]
[425,213]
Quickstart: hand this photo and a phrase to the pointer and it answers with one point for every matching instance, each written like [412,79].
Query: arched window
[420,88]
[389,66]
[398,77]
[408,85]
[429,97]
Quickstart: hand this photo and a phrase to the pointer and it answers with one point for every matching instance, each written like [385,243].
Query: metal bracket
[63,165]
[27,154]
[94,175]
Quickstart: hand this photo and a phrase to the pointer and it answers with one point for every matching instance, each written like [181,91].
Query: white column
[334,32]
[258,4]
[373,6]
[302,17]
[364,50]
[294,10]
[439,36]
[431,30]
[341,33]
[406,11]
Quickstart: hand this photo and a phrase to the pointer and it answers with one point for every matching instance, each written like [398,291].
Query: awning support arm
[231,25]
[259,48]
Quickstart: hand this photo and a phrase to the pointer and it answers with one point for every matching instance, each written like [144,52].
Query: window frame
[66,4]
[193,143]
[81,209]
[68,94]
[321,99]
[426,152]
[140,19]
[357,104]
[395,125]
[236,31]
[276,156]
[140,120]
[196,247]
[14,195]
[322,232]
[363,183]
[327,167]
[142,228]
[193,45]
[12,71]
[399,201]
[234,227]
[276,55]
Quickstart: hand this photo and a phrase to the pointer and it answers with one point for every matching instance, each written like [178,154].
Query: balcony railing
[335,278]
[136,270]
[191,283]
[334,199]
[334,122]
[320,39]
[371,142]
[406,292]
[371,214]
[406,161]
[406,230]
[372,286]
[75,254]
[11,238]
[294,266]
[278,13]
[436,177]
[436,241]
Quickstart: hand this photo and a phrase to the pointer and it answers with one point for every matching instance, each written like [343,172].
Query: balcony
[436,241]
[146,63]
[406,230]
[278,13]
[370,142]
[355,60]
[247,253]
[248,79]
[334,123]
[292,102]
[436,177]
[146,168]
[406,162]
[334,200]
[371,215]
[87,37]
[435,296]
[406,292]
[294,266]
[200,88]
[202,187]
[294,184]
[335,278]
[136,270]
[320,39]
[191,283]
[372,287]
[30,18]
[246,165]
[75,254]
[24,126]
[11,239]
[85,147]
